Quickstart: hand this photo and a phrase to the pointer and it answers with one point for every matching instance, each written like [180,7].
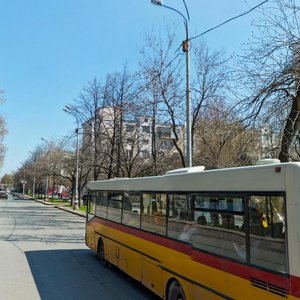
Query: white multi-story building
[139,136]
[269,143]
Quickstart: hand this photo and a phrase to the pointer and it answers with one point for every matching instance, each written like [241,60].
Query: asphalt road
[43,256]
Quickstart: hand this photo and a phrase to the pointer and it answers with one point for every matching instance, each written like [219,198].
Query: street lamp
[68,110]
[34,179]
[47,177]
[186,49]
[23,181]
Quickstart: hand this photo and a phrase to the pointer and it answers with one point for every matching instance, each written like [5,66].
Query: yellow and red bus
[193,234]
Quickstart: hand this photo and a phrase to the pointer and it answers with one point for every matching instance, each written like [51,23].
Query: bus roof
[267,177]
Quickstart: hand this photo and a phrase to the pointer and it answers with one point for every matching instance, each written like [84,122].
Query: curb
[69,210]
[42,202]
[74,212]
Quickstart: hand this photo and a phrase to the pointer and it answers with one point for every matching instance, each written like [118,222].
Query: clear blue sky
[51,49]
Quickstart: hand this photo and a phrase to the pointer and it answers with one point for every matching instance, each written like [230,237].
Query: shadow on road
[78,275]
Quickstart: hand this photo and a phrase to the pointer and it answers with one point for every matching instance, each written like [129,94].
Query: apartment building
[138,136]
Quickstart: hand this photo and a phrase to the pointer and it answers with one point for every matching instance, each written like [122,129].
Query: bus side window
[101,204]
[154,212]
[91,200]
[114,206]
[267,232]
[131,209]
[181,217]
[220,222]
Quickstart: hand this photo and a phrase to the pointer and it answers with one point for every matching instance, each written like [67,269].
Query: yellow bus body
[155,259]
[199,281]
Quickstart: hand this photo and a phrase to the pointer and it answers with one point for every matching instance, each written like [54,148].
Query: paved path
[43,256]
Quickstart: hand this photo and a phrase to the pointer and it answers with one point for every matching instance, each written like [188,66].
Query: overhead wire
[140,90]
[229,20]
[133,95]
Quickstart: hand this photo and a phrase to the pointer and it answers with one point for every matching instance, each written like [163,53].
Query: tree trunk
[290,129]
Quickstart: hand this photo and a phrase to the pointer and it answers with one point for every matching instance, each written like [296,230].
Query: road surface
[43,256]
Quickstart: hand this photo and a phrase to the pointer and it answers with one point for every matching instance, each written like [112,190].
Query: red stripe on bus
[290,283]
[295,286]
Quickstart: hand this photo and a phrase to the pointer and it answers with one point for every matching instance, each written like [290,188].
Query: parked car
[3,194]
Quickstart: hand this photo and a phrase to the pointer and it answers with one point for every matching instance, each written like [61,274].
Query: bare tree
[222,140]
[121,99]
[164,96]
[87,109]
[270,74]
[211,82]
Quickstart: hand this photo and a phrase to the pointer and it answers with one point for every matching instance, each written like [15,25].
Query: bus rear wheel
[101,253]
[175,291]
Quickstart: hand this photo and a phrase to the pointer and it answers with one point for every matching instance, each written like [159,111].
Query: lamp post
[34,179]
[23,181]
[68,110]
[47,177]
[186,49]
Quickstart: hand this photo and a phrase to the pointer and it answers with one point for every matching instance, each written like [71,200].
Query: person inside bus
[188,230]
[201,220]
[256,221]
[192,228]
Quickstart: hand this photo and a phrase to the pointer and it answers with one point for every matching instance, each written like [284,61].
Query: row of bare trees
[230,107]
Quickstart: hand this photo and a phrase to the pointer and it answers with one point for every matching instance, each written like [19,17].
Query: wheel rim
[176,291]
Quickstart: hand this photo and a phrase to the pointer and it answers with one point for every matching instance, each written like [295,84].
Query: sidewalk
[67,209]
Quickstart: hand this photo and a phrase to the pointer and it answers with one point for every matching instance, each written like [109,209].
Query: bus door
[90,230]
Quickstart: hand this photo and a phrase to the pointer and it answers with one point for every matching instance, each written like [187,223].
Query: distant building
[269,143]
[137,136]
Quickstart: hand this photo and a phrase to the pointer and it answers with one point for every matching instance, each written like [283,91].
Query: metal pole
[189,157]
[186,49]
[48,165]
[77,204]
[33,187]
[47,183]
[24,182]
[68,110]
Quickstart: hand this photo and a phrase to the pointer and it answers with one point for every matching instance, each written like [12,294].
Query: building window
[129,127]
[164,132]
[146,129]
[129,153]
[145,154]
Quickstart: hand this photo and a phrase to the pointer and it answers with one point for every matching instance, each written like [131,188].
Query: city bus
[195,234]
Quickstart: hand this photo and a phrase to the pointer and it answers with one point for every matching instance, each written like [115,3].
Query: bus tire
[101,253]
[175,291]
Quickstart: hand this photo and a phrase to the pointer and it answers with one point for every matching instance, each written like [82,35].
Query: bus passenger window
[267,232]
[221,229]
[114,207]
[154,212]
[180,217]
[91,207]
[131,209]
[101,205]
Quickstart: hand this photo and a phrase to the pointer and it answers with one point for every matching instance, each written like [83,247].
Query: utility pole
[186,49]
